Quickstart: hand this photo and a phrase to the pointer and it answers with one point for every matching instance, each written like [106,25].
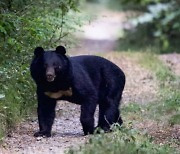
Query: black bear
[85,80]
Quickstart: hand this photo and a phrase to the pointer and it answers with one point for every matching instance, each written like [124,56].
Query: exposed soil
[160,132]
[67,130]
[136,77]
[172,61]
[101,35]
[66,133]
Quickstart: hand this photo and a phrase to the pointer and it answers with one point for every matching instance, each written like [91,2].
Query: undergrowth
[124,140]
[17,93]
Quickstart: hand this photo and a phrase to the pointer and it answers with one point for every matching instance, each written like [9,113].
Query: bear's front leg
[87,117]
[46,115]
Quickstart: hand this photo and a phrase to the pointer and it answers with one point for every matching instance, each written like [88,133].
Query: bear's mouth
[50,78]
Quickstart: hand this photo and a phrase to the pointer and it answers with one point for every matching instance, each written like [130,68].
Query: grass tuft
[122,140]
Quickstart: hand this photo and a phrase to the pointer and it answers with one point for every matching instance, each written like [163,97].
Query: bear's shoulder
[88,59]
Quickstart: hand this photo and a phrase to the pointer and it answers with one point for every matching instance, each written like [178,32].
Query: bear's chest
[59,94]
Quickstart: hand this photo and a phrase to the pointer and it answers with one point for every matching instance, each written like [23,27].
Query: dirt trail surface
[101,35]
[67,130]
[172,61]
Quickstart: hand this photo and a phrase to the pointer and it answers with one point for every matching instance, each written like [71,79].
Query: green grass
[123,140]
[175,119]
[168,104]
[150,61]
[132,107]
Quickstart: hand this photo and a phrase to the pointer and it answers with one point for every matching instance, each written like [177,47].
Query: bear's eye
[58,67]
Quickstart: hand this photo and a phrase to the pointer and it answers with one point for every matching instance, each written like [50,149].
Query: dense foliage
[25,24]
[159,21]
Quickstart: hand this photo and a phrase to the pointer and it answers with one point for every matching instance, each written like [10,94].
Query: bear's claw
[42,134]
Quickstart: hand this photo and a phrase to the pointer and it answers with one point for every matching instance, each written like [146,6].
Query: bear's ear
[39,51]
[61,50]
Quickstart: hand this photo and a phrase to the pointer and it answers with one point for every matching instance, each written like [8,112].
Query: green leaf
[2,30]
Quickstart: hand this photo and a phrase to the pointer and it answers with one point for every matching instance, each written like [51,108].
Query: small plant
[121,140]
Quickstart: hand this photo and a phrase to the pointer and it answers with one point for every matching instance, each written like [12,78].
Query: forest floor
[99,38]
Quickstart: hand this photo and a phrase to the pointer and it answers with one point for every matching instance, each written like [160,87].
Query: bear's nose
[50,74]
[50,77]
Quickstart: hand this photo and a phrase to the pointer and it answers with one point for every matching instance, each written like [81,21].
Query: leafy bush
[25,24]
[17,93]
[158,21]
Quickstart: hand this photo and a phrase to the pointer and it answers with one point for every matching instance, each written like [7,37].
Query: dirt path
[101,35]
[67,130]
[172,61]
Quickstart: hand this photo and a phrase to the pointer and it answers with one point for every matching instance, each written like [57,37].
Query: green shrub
[157,23]
[17,90]
[26,24]
[23,26]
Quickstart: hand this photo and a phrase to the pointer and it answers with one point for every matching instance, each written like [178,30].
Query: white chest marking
[59,94]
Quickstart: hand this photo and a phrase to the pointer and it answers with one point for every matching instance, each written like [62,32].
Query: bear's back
[92,61]
[96,66]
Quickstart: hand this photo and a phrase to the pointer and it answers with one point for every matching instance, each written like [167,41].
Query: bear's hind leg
[109,113]
[102,123]
[87,117]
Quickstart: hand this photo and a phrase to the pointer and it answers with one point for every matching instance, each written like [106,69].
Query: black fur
[93,80]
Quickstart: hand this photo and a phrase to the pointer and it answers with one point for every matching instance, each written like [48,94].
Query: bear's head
[49,65]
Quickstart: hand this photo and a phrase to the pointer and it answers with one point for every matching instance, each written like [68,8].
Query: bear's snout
[50,74]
